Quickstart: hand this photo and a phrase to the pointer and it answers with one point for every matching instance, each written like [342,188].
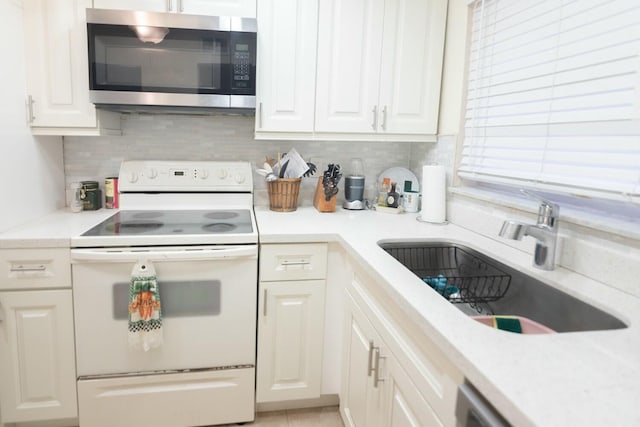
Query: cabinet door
[243,8]
[290,330]
[361,401]
[37,359]
[349,51]
[56,59]
[411,67]
[404,404]
[145,5]
[286,65]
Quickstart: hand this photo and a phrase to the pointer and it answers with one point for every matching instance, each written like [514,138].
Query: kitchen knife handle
[30,102]
[374,125]
[384,118]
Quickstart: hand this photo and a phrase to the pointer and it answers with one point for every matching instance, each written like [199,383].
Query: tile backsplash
[230,137]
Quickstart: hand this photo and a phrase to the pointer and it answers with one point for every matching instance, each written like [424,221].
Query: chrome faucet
[545,231]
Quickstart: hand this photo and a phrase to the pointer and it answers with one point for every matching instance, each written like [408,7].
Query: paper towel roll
[434,194]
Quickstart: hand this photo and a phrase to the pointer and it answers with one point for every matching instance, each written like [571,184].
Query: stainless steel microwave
[150,59]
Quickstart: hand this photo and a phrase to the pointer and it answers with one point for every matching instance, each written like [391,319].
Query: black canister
[91,195]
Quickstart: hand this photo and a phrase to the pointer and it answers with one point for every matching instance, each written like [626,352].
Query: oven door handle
[102,255]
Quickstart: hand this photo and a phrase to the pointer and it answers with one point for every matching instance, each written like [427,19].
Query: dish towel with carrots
[145,316]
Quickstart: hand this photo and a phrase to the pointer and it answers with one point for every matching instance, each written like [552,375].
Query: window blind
[553,99]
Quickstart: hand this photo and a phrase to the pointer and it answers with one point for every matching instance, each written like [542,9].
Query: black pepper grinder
[393,196]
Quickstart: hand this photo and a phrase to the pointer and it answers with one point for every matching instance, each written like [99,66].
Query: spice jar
[91,196]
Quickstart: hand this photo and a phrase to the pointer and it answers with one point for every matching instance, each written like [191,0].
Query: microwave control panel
[243,59]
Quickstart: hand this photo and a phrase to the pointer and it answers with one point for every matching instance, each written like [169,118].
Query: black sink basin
[480,285]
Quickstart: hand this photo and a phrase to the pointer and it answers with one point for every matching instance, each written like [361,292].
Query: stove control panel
[185,176]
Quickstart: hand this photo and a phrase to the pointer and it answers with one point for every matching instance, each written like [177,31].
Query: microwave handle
[89,255]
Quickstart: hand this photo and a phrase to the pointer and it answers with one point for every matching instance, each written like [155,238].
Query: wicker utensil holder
[283,194]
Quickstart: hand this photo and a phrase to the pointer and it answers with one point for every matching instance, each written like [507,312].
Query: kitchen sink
[479,285]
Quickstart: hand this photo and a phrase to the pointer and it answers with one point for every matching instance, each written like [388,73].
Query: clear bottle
[393,196]
[75,200]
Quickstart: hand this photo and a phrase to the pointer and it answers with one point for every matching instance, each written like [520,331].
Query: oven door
[208,297]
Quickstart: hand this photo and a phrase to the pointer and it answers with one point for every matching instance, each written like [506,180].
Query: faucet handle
[548,211]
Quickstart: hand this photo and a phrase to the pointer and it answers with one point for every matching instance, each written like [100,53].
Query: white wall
[32,172]
[226,137]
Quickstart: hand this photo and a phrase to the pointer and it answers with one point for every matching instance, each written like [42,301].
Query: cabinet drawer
[293,262]
[35,268]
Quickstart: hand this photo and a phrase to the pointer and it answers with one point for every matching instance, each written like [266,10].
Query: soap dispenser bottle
[393,196]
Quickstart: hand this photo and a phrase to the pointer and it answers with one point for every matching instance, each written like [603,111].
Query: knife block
[320,202]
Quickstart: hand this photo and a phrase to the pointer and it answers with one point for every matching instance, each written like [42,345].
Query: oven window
[178,299]
[185,61]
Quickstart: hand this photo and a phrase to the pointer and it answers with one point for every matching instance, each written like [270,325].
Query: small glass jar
[75,202]
[91,196]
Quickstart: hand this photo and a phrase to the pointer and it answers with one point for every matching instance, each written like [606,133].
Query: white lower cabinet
[290,321]
[387,378]
[37,359]
[361,397]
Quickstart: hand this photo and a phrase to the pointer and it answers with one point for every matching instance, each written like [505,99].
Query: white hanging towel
[145,316]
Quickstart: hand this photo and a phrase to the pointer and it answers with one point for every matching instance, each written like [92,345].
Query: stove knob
[240,178]
[222,173]
[152,173]
[204,174]
[133,177]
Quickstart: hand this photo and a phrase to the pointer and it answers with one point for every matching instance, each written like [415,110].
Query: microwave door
[185,68]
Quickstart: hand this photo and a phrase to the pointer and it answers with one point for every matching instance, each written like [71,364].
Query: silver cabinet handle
[169,5]
[264,304]
[17,268]
[374,125]
[302,262]
[180,6]
[1,314]
[384,118]
[369,361]
[260,115]
[30,102]
[376,369]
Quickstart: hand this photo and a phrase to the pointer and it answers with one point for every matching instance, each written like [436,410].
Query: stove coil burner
[221,215]
[133,227]
[219,227]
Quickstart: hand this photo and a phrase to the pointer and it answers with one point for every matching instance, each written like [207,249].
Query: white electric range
[194,223]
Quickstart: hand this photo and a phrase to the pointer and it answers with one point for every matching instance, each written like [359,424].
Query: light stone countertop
[568,379]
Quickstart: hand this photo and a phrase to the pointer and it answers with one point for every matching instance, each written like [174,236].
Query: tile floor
[312,417]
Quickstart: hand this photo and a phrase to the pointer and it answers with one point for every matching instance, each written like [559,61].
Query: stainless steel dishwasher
[473,410]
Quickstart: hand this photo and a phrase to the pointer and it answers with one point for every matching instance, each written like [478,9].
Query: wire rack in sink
[456,274]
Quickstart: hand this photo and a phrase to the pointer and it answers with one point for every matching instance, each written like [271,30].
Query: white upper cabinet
[286,65]
[244,8]
[380,66]
[349,55]
[146,5]
[411,69]
[57,69]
